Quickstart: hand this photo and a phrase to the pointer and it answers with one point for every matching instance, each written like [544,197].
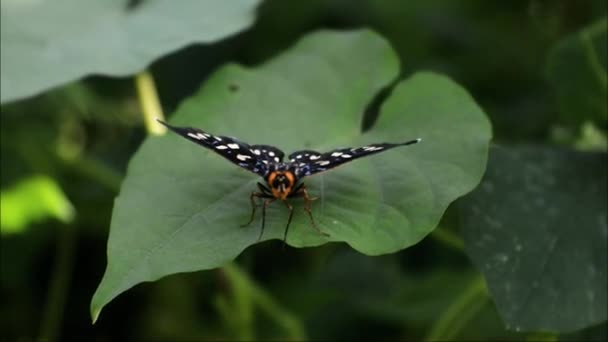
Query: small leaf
[536,227]
[181,206]
[32,200]
[50,43]
[577,68]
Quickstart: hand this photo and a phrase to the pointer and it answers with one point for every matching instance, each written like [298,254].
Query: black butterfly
[283,179]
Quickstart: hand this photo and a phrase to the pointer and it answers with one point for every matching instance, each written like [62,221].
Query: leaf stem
[592,54]
[237,310]
[149,103]
[96,170]
[286,320]
[59,284]
[460,312]
[542,336]
[448,238]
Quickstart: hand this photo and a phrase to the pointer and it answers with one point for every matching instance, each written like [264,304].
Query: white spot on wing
[276,159]
[242,157]
[346,156]
[335,154]
[195,136]
[218,138]
[221,147]
[323,162]
[257,152]
[233,146]
[314,157]
[271,154]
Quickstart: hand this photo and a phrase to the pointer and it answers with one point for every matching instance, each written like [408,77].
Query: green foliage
[577,68]
[536,227]
[45,45]
[535,230]
[181,207]
[33,200]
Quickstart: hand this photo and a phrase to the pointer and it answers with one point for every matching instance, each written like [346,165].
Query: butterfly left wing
[308,162]
[254,158]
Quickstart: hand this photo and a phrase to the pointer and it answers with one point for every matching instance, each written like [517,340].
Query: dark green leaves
[181,206]
[578,71]
[536,227]
[49,43]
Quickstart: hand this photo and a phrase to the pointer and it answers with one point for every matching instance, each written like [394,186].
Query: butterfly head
[281,183]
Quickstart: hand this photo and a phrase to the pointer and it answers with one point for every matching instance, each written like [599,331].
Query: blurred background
[68,148]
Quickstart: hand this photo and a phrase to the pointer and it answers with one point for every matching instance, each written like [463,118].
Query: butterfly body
[282,179]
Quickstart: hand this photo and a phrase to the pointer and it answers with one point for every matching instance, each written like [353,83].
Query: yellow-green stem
[149,103]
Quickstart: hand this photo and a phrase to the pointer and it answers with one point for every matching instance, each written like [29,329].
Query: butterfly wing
[255,158]
[303,162]
[267,152]
[309,162]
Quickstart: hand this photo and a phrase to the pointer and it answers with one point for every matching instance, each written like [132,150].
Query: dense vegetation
[493,227]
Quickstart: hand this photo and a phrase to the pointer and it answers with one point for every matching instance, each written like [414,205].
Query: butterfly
[282,179]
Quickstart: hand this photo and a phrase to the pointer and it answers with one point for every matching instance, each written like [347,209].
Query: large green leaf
[536,227]
[577,68]
[49,43]
[181,206]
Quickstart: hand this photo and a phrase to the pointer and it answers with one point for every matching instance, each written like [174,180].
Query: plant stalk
[149,103]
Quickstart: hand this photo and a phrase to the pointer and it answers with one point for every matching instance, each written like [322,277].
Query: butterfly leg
[266,203]
[290,207]
[253,206]
[307,207]
[263,194]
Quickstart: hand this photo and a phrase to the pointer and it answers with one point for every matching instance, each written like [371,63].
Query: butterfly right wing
[303,162]
[309,162]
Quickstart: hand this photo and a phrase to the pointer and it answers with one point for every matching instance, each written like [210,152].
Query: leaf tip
[95,315]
